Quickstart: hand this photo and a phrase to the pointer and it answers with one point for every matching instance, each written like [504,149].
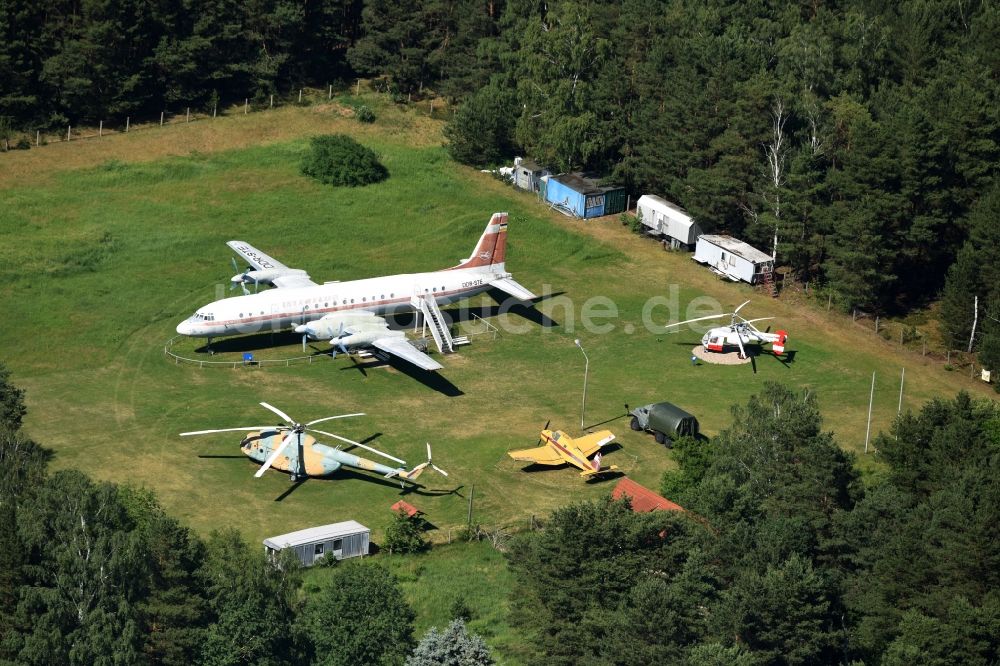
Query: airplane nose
[302,328]
[184,328]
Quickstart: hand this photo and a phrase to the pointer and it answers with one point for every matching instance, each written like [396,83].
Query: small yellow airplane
[559,448]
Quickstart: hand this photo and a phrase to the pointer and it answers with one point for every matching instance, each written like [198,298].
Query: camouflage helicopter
[288,447]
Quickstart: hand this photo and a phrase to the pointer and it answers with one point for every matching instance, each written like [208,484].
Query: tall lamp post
[586,372]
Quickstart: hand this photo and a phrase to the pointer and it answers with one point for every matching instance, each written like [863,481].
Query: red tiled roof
[409,509]
[643,499]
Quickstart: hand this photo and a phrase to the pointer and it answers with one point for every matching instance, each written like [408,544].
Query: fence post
[300,95]
[161,118]
[829,301]
[100,129]
[272,101]
[854,314]
[432,108]
[358,89]
[215,107]
[329,95]
[246,105]
[876,323]
[188,118]
[127,119]
[69,132]
[38,138]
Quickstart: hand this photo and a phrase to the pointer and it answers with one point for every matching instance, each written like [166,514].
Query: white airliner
[348,314]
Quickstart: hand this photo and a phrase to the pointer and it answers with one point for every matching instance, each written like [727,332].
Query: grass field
[107,245]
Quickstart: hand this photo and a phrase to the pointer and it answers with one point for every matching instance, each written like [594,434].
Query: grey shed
[347,539]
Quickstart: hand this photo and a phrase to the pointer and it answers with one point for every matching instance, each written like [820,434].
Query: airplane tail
[492,247]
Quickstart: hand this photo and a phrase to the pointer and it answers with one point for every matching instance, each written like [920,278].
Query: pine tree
[455,646]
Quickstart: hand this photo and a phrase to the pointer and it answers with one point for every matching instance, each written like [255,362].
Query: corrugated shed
[643,499]
[315,534]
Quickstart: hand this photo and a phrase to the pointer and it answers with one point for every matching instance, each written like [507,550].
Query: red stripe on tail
[492,247]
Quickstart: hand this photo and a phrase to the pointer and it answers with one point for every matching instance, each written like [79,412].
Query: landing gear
[634,424]
[293,477]
[659,437]
[208,347]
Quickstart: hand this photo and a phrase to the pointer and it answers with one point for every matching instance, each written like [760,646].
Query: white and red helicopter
[738,333]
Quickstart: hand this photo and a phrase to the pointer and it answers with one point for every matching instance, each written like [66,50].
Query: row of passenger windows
[364,299]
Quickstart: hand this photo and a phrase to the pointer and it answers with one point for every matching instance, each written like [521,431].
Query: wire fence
[899,334]
[304,96]
[246,362]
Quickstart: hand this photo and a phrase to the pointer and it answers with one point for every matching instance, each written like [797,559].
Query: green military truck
[665,420]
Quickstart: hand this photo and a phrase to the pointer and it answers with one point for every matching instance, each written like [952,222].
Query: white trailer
[662,218]
[733,259]
[347,539]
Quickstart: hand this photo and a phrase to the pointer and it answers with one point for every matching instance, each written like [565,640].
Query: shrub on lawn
[340,160]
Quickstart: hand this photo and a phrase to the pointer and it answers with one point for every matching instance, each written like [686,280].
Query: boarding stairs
[768,281]
[428,307]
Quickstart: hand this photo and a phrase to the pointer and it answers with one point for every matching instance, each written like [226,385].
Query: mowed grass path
[101,262]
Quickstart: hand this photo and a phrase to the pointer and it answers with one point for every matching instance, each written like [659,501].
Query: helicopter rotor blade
[739,341]
[691,321]
[286,417]
[359,444]
[330,418]
[247,429]
[741,307]
[274,455]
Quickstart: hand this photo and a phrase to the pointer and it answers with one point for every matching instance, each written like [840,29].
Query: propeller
[337,341]
[429,463]
[241,277]
[306,332]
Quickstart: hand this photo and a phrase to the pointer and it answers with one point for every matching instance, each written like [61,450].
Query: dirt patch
[717,358]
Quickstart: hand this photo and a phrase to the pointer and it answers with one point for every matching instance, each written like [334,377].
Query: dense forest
[782,556]
[863,137]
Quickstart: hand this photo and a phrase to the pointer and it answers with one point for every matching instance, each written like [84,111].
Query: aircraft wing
[280,274]
[590,444]
[254,257]
[542,455]
[287,281]
[404,350]
[510,286]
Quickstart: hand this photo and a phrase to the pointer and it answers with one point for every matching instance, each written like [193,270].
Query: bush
[340,160]
[405,535]
[364,114]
